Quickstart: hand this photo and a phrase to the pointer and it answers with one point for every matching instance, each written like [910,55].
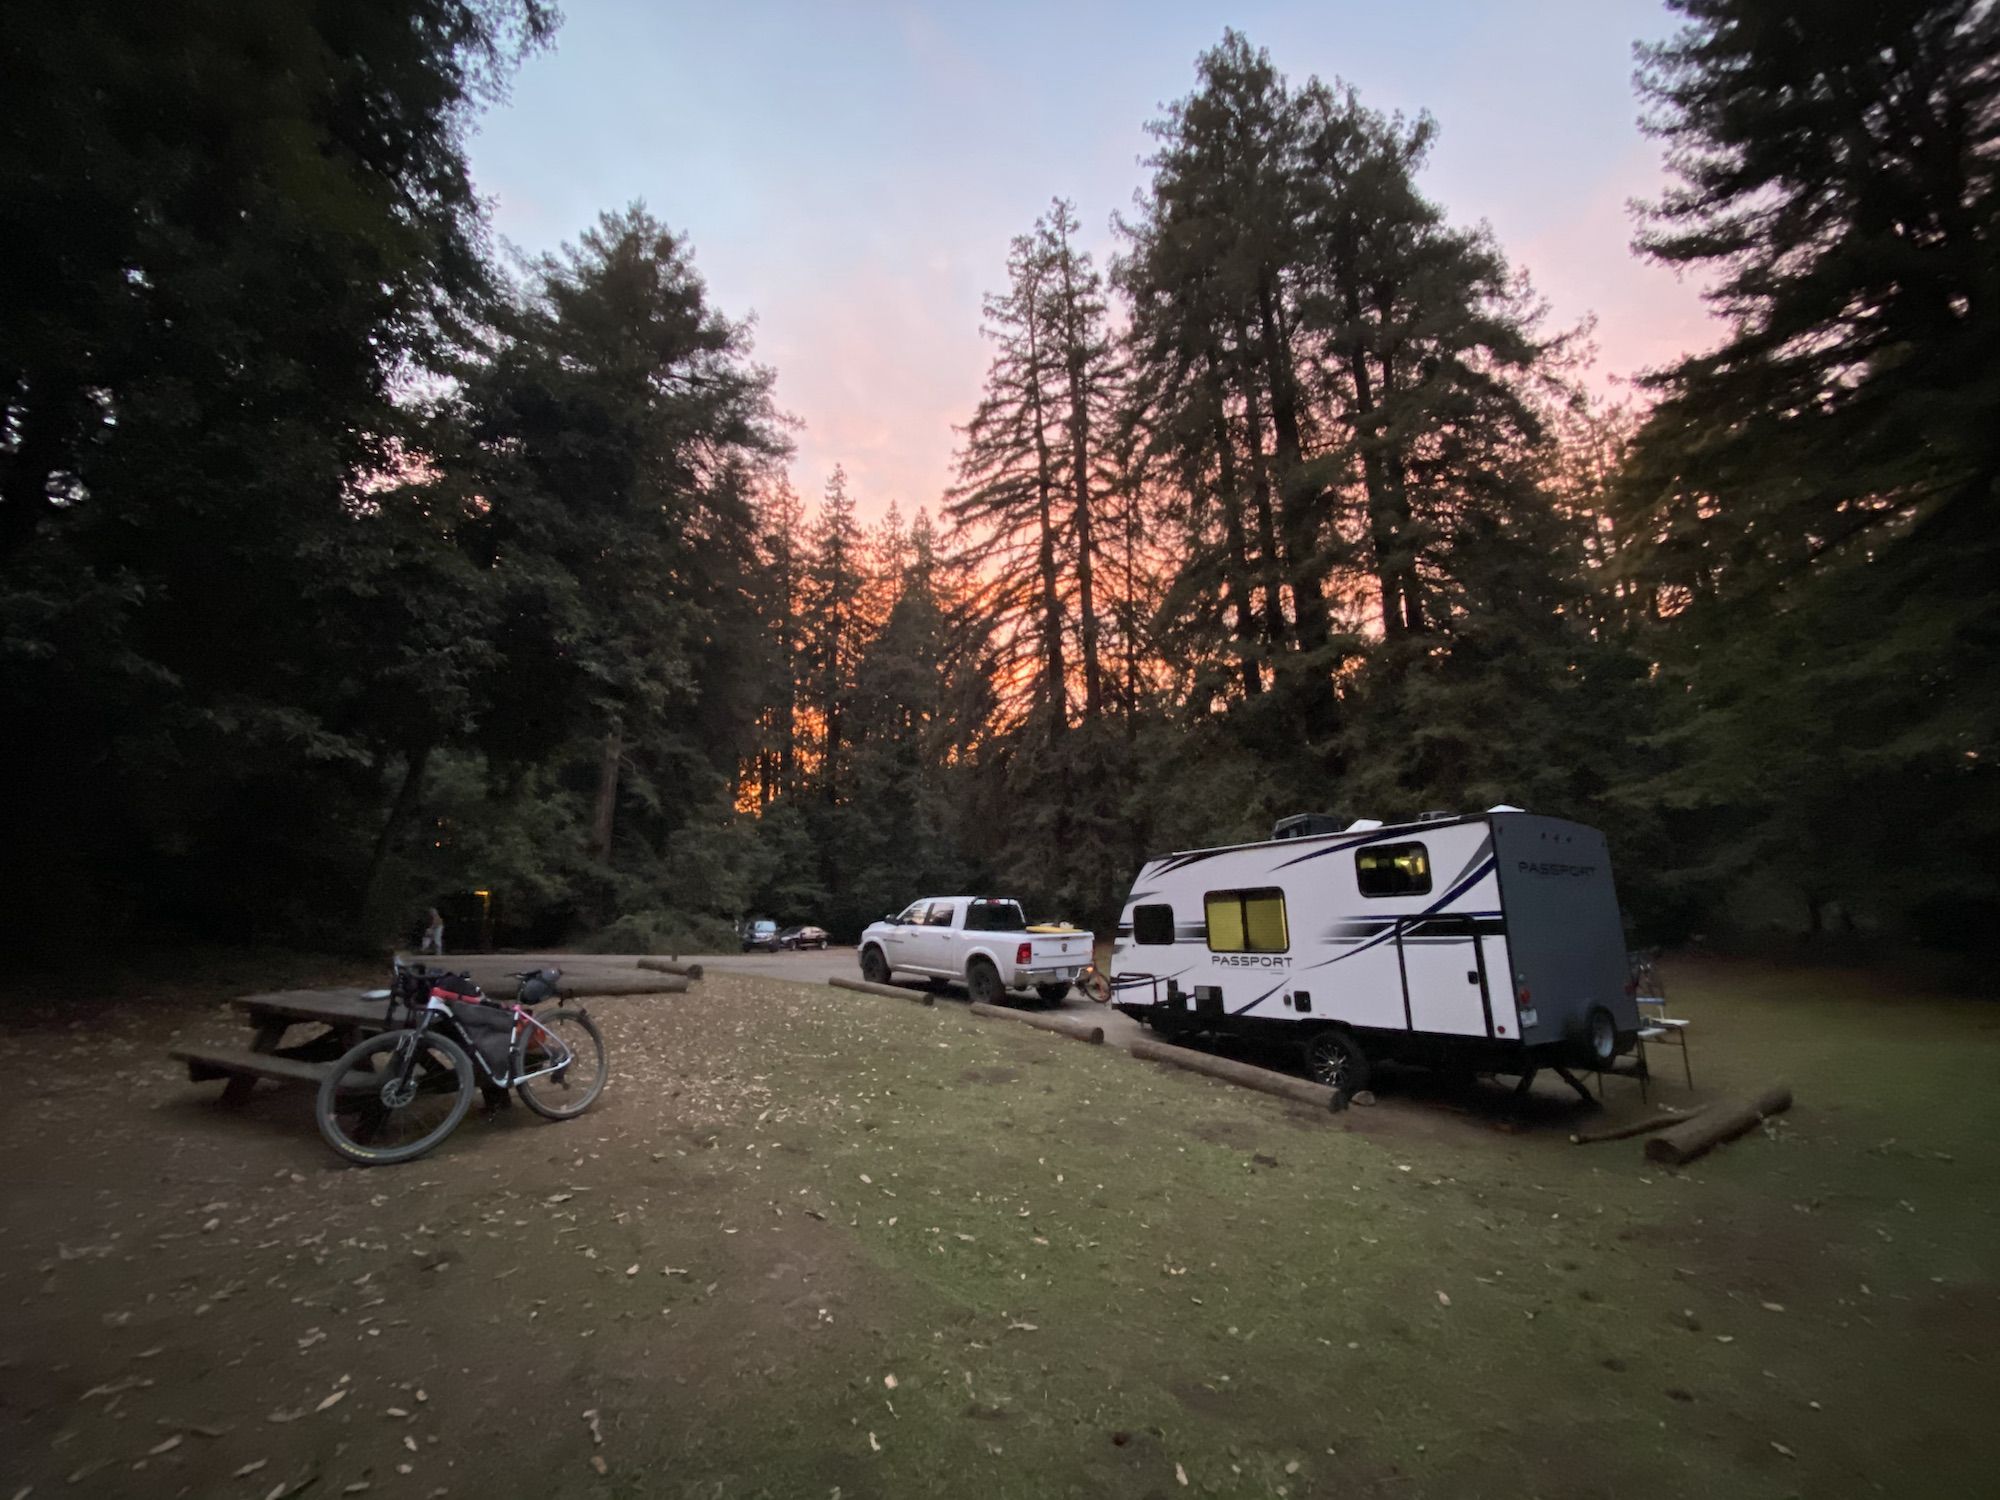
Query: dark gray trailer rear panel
[1564,935]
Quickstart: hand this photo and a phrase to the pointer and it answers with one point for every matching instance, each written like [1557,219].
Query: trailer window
[1153,924]
[1393,870]
[1247,922]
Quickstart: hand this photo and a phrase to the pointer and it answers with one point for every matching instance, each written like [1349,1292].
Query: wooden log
[1714,1125]
[1069,1026]
[897,991]
[1229,1071]
[582,986]
[670,966]
[1637,1127]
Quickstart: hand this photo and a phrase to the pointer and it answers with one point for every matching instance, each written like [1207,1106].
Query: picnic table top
[334,1007]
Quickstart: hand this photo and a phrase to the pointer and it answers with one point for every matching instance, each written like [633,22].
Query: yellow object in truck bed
[1051,927]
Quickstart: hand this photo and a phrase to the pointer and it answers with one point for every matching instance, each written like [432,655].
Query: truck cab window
[1393,870]
[913,914]
[1247,921]
[994,916]
[1153,924]
[941,913]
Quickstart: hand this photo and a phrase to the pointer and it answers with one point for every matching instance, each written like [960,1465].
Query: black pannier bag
[489,1029]
[542,987]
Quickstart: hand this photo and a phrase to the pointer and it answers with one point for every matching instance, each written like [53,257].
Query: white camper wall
[1343,949]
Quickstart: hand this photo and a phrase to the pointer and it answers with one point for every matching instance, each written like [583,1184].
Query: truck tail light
[1025,954]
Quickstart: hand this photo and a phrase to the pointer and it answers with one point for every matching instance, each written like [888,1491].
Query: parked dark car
[803,937]
[760,936]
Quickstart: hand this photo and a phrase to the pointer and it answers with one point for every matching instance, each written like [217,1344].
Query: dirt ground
[813,1243]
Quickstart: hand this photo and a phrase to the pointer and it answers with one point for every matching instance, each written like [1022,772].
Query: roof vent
[1505,807]
[1362,825]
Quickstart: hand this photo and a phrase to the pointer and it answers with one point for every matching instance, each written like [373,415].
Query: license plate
[1528,1018]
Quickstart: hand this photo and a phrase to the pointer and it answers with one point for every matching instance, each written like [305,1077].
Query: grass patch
[1084,1274]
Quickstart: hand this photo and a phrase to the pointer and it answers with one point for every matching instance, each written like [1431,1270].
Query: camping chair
[1655,1025]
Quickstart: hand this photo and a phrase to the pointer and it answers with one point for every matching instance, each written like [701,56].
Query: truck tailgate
[1061,950]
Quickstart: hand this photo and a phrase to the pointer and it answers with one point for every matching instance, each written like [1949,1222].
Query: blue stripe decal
[1261,998]
[1449,896]
[1330,849]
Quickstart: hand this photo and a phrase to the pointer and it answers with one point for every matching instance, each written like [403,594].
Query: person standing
[433,934]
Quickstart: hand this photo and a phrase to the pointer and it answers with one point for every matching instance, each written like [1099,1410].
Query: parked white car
[983,940]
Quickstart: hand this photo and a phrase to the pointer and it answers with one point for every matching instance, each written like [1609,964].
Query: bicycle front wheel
[394,1097]
[575,1084]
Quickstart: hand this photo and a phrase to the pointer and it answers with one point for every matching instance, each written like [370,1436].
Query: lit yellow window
[1393,870]
[1247,922]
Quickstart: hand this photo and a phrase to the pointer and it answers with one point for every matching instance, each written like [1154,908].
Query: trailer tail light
[1523,997]
[1025,954]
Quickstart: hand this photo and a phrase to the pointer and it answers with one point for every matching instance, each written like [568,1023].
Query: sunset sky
[850,173]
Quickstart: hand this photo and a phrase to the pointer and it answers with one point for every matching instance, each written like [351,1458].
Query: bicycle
[1643,980]
[399,1093]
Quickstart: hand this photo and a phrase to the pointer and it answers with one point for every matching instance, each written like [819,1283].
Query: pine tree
[779,583]
[1005,512]
[1812,504]
[615,434]
[834,636]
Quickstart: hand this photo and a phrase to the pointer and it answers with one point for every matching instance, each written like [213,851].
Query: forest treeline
[347,567]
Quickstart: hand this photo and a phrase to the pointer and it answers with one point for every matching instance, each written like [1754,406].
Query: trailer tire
[1335,1059]
[1601,1038]
[874,967]
[983,980]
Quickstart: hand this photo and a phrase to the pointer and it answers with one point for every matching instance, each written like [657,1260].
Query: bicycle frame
[437,1012]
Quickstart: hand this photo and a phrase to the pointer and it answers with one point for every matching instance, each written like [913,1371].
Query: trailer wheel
[1335,1059]
[874,967]
[984,982]
[1603,1037]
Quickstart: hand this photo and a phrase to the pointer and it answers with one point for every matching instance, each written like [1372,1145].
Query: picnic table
[337,1020]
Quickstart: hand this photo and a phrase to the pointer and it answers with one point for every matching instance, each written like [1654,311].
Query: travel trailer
[1489,941]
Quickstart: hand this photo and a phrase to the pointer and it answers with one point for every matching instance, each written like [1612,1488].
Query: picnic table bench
[340,1018]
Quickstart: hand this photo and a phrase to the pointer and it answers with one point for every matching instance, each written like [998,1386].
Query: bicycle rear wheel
[568,1092]
[394,1097]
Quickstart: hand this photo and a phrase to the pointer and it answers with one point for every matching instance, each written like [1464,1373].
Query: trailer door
[1442,975]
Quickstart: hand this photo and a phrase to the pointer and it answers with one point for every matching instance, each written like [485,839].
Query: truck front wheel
[984,981]
[874,967]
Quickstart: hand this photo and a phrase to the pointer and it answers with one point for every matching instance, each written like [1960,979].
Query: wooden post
[1069,1026]
[1262,1079]
[1714,1125]
[895,991]
[670,966]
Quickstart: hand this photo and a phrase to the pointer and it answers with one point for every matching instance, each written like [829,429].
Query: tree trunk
[1055,672]
[1236,565]
[1300,502]
[1374,483]
[399,812]
[601,823]
[1075,356]
[1714,1125]
[1268,565]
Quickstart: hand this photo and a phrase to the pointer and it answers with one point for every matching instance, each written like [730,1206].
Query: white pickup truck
[981,939]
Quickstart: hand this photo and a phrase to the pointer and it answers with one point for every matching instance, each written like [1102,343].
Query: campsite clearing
[814,1241]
